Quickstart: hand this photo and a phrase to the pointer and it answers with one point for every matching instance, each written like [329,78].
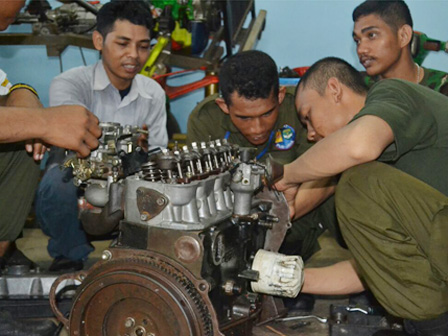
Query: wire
[82,56]
[61,68]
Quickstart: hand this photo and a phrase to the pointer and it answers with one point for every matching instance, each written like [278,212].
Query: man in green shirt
[383,35]
[393,216]
[254,111]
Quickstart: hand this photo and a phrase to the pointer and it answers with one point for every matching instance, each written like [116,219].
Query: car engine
[198,234]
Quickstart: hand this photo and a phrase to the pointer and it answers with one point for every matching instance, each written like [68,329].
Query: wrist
[41,122]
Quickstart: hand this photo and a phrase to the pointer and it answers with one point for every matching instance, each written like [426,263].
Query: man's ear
[405,34]
[281,94]
[222,105]
[97,40]
[334,88]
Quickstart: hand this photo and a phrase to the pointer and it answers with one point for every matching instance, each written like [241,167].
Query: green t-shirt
[289,139]
[434,79]
[418,117]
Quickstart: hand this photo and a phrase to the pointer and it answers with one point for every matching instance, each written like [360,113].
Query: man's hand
[37,148]
[72,127]
[290,192]
[143,139]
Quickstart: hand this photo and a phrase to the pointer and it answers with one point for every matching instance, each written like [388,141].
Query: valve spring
[151,171]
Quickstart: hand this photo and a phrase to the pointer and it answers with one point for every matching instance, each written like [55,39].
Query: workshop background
[297,33]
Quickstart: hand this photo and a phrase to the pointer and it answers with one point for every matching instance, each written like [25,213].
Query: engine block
[197,227]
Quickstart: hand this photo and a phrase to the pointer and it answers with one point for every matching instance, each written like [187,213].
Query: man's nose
[257,127]
[362,47]
[133,51]
[311,134]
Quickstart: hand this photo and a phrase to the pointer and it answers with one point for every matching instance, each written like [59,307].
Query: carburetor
[198,236]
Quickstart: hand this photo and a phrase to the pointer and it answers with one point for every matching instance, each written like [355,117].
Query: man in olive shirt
[383,35]
[254,111]
[393,216]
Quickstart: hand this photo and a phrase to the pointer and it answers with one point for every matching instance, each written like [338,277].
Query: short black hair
[251,74]
[317,76]
[395,13]
[136,12]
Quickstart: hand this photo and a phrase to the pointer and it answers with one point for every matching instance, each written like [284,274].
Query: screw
[144,217]
[129,323]
[140,332]
[107,255]
[160,201]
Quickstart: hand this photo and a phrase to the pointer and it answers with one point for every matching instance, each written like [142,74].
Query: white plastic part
[279,274]
[5,85]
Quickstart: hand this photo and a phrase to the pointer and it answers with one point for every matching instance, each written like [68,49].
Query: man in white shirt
[115,92]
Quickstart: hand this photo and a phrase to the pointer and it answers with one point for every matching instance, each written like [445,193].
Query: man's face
[8,12]
[124,52]
[319,113]
[377,45]
[256,118]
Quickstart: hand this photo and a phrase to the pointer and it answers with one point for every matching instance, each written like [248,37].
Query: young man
[115,92]
[22,118]
[383,35]
[254,111]
[393,216]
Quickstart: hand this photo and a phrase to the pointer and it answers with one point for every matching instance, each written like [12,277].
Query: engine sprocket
[143,294]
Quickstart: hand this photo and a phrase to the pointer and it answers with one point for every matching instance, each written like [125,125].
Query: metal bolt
[107,255]
[144,217]
[160,201]
[140,331]
[129,323]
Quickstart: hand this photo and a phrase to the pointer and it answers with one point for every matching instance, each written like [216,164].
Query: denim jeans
[57,213]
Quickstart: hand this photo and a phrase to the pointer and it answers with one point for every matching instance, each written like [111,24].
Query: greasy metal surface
[138,293]
[79,276]
[275,236]
[163,241]
[150,202]
[187,249]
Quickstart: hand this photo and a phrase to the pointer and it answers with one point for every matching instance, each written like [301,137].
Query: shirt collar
[101,82]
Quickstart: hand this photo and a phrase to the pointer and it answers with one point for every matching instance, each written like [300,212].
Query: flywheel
[141,296]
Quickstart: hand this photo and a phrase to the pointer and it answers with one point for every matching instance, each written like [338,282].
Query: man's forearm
[359,142]
[311,194]
[17,124]
[338,279]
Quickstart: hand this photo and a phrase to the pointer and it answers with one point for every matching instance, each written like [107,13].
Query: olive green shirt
[418,117]
[208,122]
[434,79]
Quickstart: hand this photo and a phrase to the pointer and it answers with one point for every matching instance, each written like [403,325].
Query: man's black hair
[136,12]
[251,74]
[317,76]
[394,12]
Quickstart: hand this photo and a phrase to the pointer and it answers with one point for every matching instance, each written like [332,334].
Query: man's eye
[267,114]
[372,35]
[243,118]
[356,41]
[144,47]
[122,44]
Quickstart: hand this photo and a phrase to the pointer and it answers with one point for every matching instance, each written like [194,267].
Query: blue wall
[297,33]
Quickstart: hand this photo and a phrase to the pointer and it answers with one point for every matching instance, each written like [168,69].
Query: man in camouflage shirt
[383,34]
